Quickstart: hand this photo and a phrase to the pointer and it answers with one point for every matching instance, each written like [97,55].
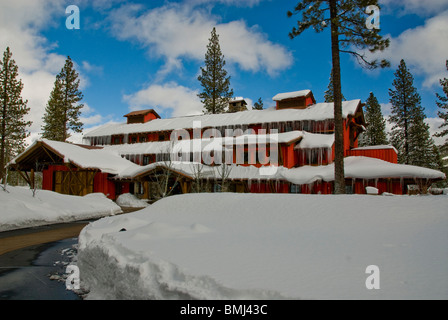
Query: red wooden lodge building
[137,156]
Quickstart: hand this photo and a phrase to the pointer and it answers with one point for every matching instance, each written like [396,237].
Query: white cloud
[434,124]
[171,97]
[239,3]
[424,48]
[386,108]
[90,68]
[418,7]
[21,23]
[177,31]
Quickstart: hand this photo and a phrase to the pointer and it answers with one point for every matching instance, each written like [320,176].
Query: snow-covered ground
[131,201]
[273,246]
[19,209]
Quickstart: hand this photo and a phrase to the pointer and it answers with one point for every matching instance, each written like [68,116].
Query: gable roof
[291,95]
[48,151]
[141,113]
[316,112]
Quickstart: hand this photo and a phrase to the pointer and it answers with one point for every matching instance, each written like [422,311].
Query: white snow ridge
[269,246]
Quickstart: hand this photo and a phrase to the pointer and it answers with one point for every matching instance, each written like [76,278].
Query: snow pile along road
[19,209]
[270,246]
[131,201]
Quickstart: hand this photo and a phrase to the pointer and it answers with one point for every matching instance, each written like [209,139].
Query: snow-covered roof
[290,95]
[191,169]
[360,168]
[315,140]
[378,147]
[159,147]
[316,112]
[104,160]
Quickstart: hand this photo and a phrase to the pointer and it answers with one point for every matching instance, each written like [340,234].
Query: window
[348,189]
[138,188]
[145,160]
[217,188]
[295,189]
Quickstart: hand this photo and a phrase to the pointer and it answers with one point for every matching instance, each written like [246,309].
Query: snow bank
[372,190]
[360,168]
[129,200]
[269,246]
[19,209]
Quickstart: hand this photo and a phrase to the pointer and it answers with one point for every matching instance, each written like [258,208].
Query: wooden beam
[24,177]
[33,183]
[48,153]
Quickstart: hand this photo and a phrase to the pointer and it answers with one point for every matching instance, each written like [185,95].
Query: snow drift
[19,209]
[269,246]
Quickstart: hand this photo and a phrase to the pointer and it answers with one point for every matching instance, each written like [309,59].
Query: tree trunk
[3,132]
[339,182]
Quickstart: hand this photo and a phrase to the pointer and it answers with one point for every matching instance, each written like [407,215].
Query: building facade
[288,148]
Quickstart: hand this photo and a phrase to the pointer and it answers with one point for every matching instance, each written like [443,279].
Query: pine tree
[442,103]
[13,111]
[410,134]
[405,103]
[53,128]
[375,133]
[347,22]
[216,92]
[63,108]
[258,105]
[422,150]
[329,94]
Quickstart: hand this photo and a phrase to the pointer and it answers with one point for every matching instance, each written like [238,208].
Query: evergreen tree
[13,111]
[63,108]
[53,128]
[422,150]
[375,133]
[216,92]
[258,105]
[347,22]
[442,103]
[329,94]
[405,103]
[410,134]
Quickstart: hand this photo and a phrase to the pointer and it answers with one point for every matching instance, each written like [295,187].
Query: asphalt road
[29,256]
[22,238]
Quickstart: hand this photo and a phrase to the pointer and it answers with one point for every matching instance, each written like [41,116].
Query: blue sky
[147,54]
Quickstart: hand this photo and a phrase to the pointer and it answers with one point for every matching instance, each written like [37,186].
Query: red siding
[384,154]
[149,117]
[309,100]
[48,174]
[104,185]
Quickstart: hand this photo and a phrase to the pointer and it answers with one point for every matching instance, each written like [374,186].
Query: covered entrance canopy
[69,168]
